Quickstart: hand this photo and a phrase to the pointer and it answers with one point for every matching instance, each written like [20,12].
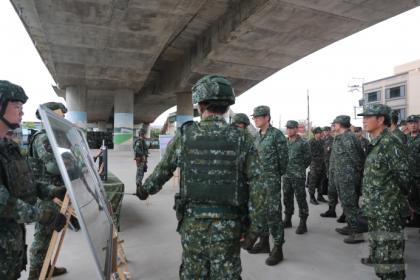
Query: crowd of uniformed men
[232,183]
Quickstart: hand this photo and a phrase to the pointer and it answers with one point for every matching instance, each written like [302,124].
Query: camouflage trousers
[12,250]
[332,192]
[42,238]
[211,249]
[265,210]
[140,172]
[386,241]
[347,192]
[316,179]
[295,187]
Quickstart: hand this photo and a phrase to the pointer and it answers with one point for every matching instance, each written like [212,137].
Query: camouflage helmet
[317,130]
[241,118]
[52,106]
[10,92]
[213,88]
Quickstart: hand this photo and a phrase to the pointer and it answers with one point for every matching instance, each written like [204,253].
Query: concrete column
[184,108]
[102,126]
[76,105]
[123,120]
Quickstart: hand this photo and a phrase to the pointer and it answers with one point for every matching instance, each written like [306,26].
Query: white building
[401,91]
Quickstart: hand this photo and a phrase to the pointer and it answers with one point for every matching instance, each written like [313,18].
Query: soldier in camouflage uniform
[272,149]
[46,172]
[317,171]
[414,166]
[396,130]
[141,152]
[217,162]
[364,143]
[241,120]
[295,176]
[384,194]
[18,189]
[346,164]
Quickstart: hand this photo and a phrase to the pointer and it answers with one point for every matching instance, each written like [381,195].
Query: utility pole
[307,120]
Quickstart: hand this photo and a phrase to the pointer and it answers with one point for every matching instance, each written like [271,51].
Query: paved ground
[153,246]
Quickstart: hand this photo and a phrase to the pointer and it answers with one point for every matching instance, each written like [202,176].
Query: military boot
[354,238]
[330,213]
[263,246]
[313,200]
[301,229]
[367,261]
[344,230]
[276,255]
[249,241]
[342,219]
[321,198]
[287,221]
[34,273]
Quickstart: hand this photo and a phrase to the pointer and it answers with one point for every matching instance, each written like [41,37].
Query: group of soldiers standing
[232,183]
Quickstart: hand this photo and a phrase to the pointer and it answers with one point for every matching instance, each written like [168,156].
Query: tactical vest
[38,167]
[211,166]
[17,176]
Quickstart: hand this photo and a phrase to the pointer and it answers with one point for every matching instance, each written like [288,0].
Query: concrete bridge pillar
[184,108]
[123,120]
[76,105]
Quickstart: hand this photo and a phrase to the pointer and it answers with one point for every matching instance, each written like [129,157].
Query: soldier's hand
[59,192]
[141,193]
[59,222]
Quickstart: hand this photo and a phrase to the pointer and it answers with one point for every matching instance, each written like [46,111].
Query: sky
[326,74]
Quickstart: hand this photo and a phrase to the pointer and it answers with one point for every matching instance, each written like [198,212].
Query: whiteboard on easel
[84,186]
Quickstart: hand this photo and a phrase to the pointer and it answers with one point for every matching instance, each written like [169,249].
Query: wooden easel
[119,260]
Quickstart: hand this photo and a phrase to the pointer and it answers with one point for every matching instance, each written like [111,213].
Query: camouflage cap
[213,88]
[357,129]
[261,111]
[240,118]
[292,124]
[317,130]
[342,119]
[376,110]
[52,106]
[326,128]
[412,118]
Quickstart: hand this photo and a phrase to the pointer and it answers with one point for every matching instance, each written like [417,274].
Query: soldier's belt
[213,209]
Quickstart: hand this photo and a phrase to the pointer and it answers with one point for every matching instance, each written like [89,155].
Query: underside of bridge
[147,52]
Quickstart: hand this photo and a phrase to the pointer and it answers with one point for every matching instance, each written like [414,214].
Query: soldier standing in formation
[396,130]
[18,189]
[272,149]
[46,172]
[414,167]
[141,152]
[217,162]
[364,143]
[384,195]
[294,179]
[346,164]
[317,167]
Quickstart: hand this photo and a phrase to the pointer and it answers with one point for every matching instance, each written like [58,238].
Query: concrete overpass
[125,62]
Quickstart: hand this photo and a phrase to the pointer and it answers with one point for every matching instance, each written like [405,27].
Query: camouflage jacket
[414,156]
[385,173]
[140,148]
[400,135]
[272,149]
[317,153]
[347,156]
[16,205]
[248,160]
[365,144]
[327,150]
[42,161]
[299,158]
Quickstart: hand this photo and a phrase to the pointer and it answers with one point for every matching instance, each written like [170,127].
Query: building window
[372,96]
[401,113]
[395,92]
